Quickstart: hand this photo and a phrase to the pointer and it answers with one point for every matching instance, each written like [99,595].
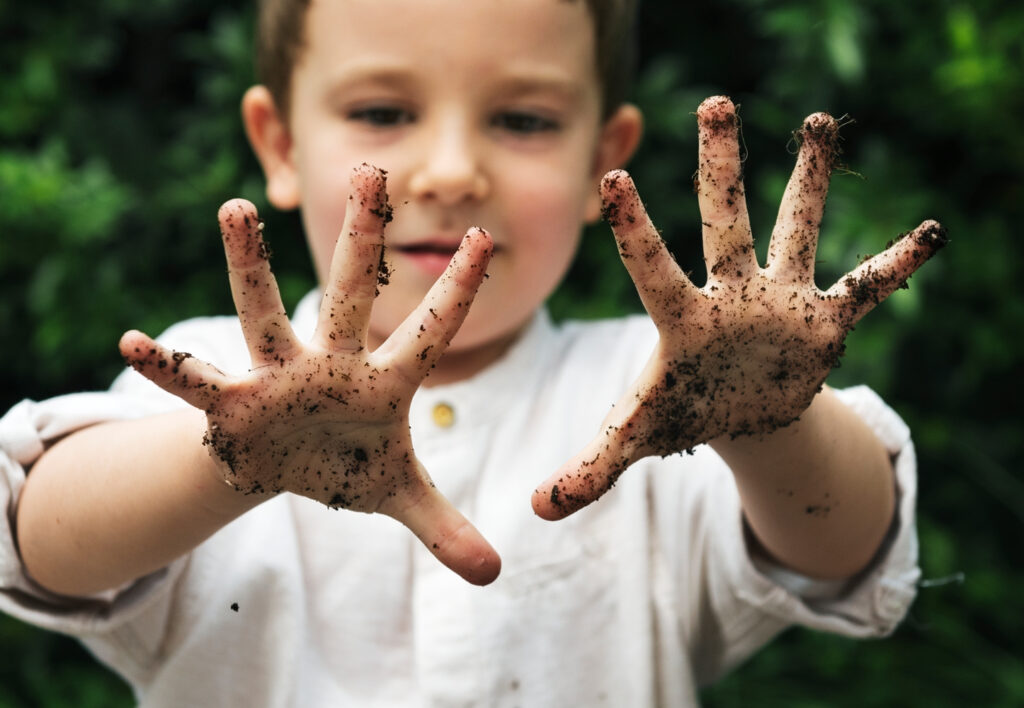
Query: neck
[460,364]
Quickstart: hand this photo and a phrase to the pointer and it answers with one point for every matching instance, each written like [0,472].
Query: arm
[742,358]
[326,419]
[116,501]
[819,495]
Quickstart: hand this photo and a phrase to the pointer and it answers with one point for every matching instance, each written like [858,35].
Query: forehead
[462,39]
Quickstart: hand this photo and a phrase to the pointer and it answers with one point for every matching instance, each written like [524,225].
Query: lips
[430,256]
[429,248]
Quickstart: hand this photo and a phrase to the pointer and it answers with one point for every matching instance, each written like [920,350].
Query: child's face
[484,113]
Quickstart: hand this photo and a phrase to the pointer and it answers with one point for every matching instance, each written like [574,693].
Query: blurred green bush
[120,137]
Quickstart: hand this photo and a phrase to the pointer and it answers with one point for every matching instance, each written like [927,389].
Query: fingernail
[934,235]
[717,113]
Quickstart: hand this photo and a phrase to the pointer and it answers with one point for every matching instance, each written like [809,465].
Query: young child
[182,533]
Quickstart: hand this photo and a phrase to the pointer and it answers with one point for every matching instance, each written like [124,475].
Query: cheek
[323,215]
[322,231]
[324,166]
[548,215]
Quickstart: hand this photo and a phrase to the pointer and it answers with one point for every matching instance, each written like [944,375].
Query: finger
[265,325]
[196,382]
[663,412]
[421,339]
[728,243]
[357,267]
[623,439]
[876,278]
[448,535]
[663,287]
[795,237]
[584,479]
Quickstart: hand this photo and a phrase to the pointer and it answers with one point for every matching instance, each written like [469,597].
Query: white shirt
[635,600]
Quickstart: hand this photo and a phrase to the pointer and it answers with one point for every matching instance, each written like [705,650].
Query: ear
[620,136]
[271,140]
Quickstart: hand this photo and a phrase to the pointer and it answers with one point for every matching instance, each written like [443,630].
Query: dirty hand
[329,419]
[746,353]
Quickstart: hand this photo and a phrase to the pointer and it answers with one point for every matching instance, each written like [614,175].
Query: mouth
[428,249]
[430,257]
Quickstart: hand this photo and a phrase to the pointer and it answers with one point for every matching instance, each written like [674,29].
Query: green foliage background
[119,138]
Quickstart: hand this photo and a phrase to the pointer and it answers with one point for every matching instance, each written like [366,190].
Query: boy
[174,554]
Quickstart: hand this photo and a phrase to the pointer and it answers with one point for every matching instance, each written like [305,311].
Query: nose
[451,170]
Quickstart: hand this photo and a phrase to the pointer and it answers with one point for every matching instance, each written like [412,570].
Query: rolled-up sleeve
[25,432]
[749,600]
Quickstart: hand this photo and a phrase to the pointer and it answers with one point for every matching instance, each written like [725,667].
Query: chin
[469,338]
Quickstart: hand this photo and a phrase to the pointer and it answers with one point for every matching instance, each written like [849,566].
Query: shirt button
[443,415]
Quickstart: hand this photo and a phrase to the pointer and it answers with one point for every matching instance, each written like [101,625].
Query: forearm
[116,501]
[819,494]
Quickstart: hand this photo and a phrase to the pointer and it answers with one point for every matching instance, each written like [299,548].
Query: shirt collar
[451,408]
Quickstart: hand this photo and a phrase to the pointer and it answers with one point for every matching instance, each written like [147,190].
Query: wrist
[752,452]
[210,476]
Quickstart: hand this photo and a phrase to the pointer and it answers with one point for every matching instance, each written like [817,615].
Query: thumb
[449,536]
[583,479]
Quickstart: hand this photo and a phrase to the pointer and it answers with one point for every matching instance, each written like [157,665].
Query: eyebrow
[540,82]
[371,72]
[514,82]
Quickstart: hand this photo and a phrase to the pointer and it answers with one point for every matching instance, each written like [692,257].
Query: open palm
[747,352]
[328,419]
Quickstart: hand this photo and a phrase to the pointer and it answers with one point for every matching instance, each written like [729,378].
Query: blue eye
[381,116]
[523,123]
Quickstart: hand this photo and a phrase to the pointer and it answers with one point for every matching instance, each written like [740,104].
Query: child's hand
[329,419]
[746,353]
